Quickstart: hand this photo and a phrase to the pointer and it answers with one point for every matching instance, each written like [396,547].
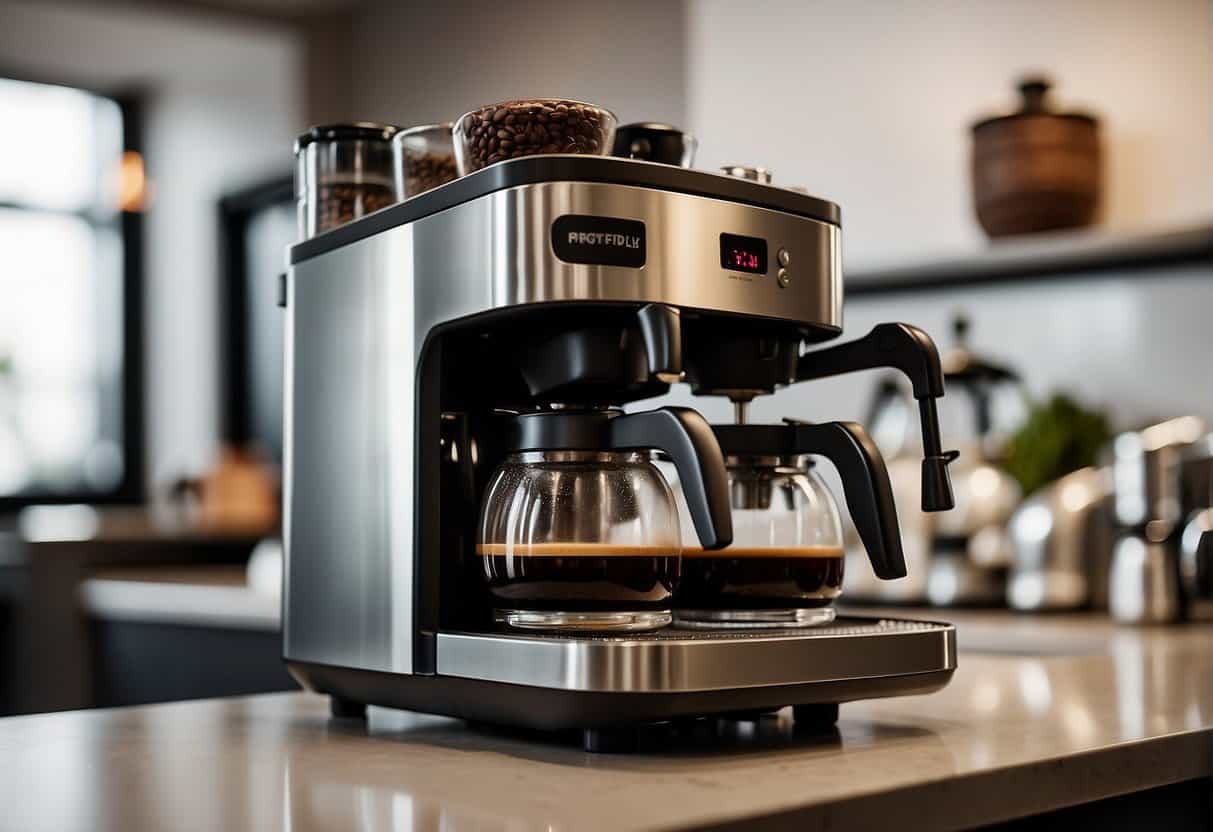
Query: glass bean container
[579,540]
[424,158]
[342,173]
[785,565]
[528,127]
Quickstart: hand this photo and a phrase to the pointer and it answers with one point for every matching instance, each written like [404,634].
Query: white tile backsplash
[1139,344]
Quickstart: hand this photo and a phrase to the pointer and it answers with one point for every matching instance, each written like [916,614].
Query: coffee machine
[510,315]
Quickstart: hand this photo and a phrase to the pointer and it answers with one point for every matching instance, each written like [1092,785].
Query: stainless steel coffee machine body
[396,330]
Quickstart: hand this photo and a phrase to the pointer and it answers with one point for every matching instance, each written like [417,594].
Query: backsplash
[1139,344]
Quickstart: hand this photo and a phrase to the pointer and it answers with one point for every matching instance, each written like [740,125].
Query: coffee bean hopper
[515,311]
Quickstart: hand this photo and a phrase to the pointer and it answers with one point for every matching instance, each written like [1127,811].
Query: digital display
[743,254]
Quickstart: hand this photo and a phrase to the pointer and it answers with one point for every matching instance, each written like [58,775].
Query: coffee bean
[424,171]
[338,204]
[526,127]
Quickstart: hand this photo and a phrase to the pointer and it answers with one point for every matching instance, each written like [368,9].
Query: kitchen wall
[224,102]
[869,104]
[865,103]
[1137,344]
[420,62]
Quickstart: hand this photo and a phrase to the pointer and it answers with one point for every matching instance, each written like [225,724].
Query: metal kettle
[1196,539]
[1061,542]
[1196,565]
[1144,584]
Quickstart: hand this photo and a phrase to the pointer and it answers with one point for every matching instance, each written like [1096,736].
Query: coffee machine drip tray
[868,654]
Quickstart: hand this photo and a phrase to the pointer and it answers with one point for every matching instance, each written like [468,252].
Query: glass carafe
[785,565]
[580,540]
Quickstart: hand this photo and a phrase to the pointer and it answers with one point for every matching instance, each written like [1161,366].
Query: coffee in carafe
[579,539]
[580,577]
[762,577]
[785,566]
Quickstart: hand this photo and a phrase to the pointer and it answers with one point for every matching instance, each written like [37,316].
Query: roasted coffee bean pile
[338,204]
[423,171]
[524,128]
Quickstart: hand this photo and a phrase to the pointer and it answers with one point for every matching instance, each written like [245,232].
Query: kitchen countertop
[203,595]
[1042,713]
[46,552]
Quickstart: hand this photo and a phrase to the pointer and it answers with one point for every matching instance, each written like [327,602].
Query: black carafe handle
[908,349]
[865,483]
[687,439]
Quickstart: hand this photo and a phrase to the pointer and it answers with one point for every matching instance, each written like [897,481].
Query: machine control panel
[743,254]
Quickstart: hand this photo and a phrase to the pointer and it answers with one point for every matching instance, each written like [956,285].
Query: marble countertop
[1042,713]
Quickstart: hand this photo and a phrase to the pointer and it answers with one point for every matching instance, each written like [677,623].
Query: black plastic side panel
[427,518]
[556,710]
[534,170]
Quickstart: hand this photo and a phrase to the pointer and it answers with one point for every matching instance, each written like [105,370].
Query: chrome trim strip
[673,661]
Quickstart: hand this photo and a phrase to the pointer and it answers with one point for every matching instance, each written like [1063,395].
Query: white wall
[224,104]
[422,62]
[1136,344]
[869,103]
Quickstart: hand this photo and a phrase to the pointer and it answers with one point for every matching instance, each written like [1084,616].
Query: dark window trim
[235,211]
[131,488]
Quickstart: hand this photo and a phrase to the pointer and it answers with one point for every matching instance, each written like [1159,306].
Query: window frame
[131,487]
[236,210]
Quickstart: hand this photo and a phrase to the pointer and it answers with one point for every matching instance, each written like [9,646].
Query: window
[71,187]
[257,224]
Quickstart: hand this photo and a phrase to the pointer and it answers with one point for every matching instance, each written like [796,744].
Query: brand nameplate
[599,241]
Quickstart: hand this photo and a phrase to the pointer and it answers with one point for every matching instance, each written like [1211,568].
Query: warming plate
[676,660]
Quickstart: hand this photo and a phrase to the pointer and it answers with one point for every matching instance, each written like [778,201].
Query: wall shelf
[1048,255]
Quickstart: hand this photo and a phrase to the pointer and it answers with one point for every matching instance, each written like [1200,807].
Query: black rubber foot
[620,740]
[346,708]
[815,717]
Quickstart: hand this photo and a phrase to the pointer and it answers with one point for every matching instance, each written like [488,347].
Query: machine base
[557,710]
[811,663]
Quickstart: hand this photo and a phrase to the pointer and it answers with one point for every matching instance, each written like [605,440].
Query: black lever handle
[865,483]
[661,329]
[908,349]
[687,439]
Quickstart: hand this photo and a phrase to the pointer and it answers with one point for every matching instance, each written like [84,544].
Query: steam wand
[910,350]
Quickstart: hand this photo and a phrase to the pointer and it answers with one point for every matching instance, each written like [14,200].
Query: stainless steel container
[1061,541]
[1144,582]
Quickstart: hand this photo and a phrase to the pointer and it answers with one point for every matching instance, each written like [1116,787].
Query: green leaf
[1058,437]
